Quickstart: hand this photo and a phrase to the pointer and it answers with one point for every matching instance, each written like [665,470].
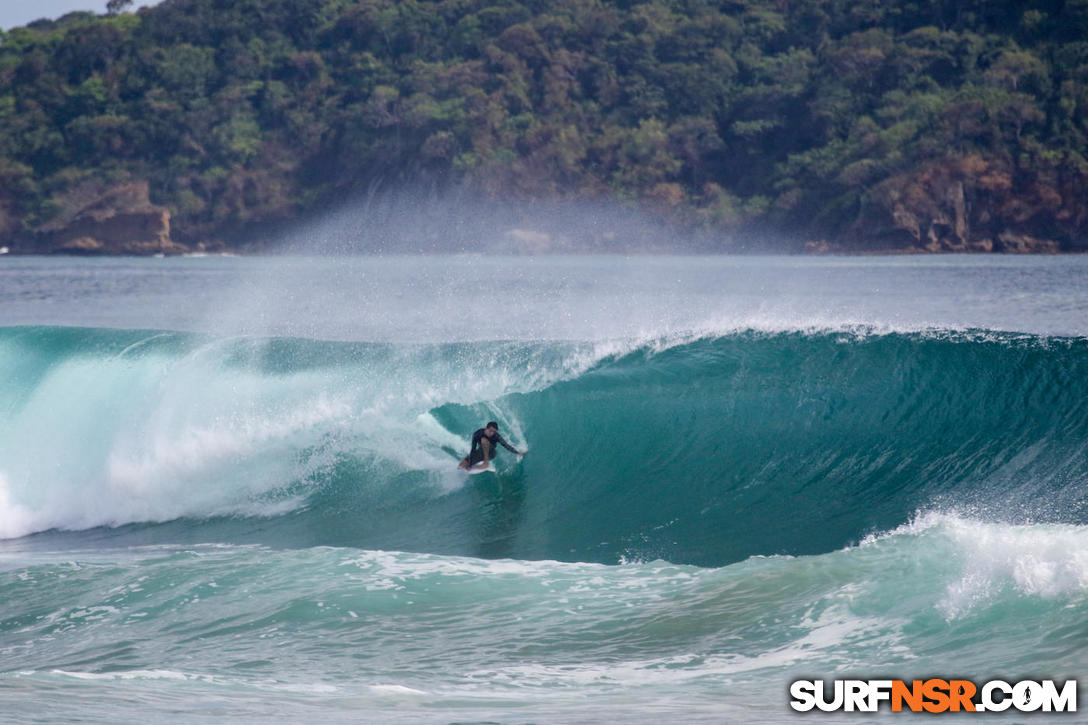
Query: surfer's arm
[509,447]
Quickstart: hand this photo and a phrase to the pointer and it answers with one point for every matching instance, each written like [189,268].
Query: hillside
[925,125]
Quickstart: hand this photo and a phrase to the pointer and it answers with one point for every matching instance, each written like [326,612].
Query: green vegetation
[810,119]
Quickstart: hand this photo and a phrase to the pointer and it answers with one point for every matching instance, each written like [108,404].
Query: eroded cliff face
[971,204]
[121,220]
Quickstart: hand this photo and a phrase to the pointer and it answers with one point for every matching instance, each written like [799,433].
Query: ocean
[228,485]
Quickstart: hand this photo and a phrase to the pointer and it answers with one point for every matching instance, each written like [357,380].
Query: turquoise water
[227,486]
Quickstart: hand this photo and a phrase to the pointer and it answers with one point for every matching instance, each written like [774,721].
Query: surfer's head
[491,428]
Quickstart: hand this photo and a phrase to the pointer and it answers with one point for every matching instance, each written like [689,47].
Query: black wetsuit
[476,455]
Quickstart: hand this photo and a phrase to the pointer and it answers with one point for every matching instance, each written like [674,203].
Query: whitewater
[228,485]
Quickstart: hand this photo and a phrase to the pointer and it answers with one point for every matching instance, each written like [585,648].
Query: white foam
[197,446]
[395,690]
[109,441]
[156,674]
[1049,561]
[15,520]
[153,437]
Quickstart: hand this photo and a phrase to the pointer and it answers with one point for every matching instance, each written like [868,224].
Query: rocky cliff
[970,204]
[119,220]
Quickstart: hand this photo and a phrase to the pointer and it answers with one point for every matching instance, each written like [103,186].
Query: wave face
[701,451]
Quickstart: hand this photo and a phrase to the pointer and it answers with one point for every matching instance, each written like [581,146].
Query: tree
[113,7]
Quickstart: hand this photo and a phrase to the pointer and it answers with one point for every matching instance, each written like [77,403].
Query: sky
[14,13]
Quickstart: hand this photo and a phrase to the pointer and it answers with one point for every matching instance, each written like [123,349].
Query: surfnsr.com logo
[933,695]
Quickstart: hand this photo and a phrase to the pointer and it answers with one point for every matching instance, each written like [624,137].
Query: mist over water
[488,297]
[231,481]
[459,221]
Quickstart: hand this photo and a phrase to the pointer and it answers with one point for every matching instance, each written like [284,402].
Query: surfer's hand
[524,452]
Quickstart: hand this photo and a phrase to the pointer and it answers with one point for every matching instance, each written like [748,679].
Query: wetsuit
[476,455]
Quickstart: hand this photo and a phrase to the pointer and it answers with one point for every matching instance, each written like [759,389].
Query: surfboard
[479,469]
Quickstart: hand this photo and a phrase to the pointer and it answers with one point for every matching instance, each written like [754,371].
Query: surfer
[483,446]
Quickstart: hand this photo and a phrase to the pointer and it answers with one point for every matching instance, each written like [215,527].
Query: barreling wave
[701,451]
